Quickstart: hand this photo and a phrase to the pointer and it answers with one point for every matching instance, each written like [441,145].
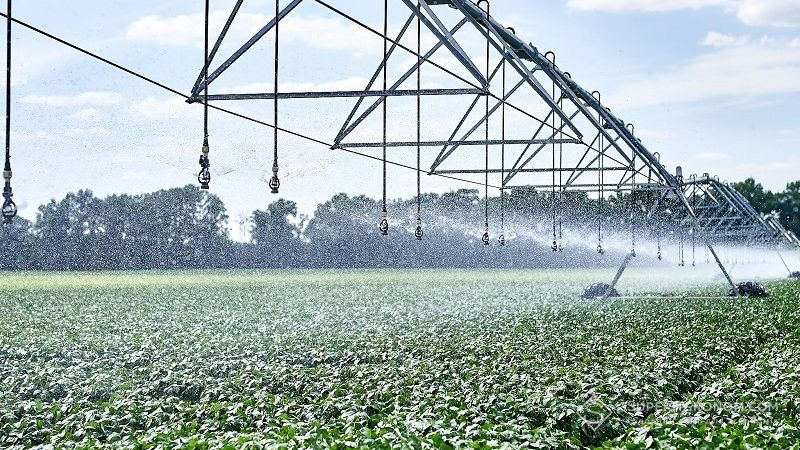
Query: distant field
[393,359]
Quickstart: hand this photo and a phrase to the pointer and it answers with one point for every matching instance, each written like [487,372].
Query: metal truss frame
[575,120]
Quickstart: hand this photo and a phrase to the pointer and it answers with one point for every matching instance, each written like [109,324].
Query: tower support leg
[621,270]
[705,238]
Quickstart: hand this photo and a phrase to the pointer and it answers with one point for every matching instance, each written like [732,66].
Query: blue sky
[710,84]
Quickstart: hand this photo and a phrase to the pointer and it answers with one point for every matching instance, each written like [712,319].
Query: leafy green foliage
[396,359]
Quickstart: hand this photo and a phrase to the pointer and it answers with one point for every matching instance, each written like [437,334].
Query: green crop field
[392,359]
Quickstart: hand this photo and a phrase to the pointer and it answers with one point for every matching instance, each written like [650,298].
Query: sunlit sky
[710,84]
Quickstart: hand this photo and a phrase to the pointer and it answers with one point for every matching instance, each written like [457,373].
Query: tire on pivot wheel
[599,290]
[750,289]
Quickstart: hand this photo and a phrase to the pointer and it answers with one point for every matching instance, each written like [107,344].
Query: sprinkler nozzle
[274,182]
[9,207]
[204,176]
[384,226]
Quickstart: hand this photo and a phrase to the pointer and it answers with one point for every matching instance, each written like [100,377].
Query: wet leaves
[427,359]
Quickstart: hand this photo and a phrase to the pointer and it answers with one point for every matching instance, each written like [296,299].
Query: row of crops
[419,359]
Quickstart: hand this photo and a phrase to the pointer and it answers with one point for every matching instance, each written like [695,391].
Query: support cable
[176,92]
[9,207]
[275,182]
[204,177]
[384,224]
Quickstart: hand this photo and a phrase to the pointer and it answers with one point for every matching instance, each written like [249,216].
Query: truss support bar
[537,170]
[446,38]
[348,127]
[783,261]
[291,6]
[339,94]
[588,187]
[467,143]
[621,270]
[445,153]
[476,15]
[195,89]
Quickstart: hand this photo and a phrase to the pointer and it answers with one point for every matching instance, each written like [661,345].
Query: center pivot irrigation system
[536,125]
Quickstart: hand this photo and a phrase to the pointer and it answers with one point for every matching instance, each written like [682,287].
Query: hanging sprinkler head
[418,233]
[274,182]
[485,238]
[501,239]
[554,246]
[9,207]
[600,248]
[204,177]
[561,247]
[633,252]
[384,225]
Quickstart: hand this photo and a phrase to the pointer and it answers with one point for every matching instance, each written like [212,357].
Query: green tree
[276,234]
[16,245]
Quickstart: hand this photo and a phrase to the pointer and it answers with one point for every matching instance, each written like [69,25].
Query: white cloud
[346,84]
[38,136]
[151,108]
[641,5]
[711,156]
[188,29]
[778,13]
[743,74]
[88,132]
[774,175]
[87,115]
[718,40]
[316,32]
[93,98]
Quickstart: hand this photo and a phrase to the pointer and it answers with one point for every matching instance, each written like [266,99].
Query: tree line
[188,228]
